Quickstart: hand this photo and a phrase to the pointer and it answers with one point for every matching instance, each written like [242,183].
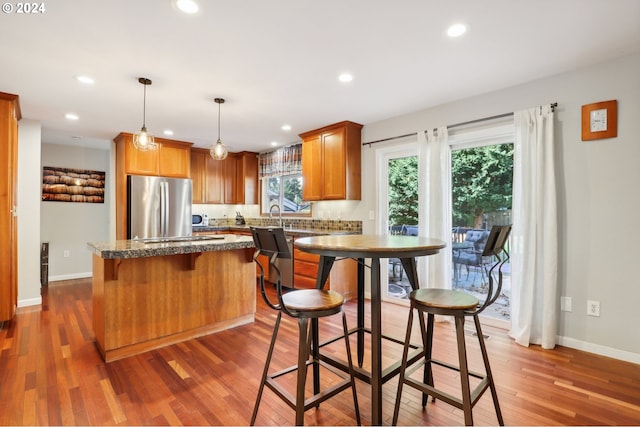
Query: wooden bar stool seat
[459,305]
[302,305]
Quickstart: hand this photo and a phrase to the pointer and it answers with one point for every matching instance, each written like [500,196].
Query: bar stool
[459,305]
[302,305]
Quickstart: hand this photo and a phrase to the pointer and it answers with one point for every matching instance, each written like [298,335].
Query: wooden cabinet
[331,162]
[207,175]
[343,277]
[241,175]
[172,159]
[232,181]
[9,117]
[305,270]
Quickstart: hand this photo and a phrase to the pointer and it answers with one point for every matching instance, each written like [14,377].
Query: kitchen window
[286,192]
[281,181]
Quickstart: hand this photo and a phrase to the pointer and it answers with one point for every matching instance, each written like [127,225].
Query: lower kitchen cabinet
[343,277]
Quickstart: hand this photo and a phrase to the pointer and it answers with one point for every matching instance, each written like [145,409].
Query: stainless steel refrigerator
[158,207]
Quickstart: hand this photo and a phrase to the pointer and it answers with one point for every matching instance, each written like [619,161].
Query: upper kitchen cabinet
[331,162]
[241,173]
[207,175]
[233,180]
[171,159]
[9,117]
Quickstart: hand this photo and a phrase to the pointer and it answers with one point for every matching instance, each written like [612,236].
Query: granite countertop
[121,249]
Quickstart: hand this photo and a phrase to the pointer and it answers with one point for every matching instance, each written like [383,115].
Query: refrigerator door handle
[163,210]
[166,209]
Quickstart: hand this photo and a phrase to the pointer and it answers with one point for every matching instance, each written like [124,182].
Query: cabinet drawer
[307,269]
[304,282]
[305,256]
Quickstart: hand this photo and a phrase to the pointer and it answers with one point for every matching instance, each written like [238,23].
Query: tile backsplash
[295,223]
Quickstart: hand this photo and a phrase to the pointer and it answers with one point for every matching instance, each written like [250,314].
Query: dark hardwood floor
[52,374]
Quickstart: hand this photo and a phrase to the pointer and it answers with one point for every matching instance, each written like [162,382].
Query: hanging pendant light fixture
[218,151]
[143,140]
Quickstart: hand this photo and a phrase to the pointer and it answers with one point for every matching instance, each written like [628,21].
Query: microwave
[199,220]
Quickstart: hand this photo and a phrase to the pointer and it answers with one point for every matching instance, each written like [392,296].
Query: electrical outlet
[593,308]
[65,254]
[565,303]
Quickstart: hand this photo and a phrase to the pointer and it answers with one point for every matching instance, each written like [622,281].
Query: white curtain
[435,207]
[534,238]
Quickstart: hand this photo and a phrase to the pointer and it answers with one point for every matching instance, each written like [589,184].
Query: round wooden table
[373,247]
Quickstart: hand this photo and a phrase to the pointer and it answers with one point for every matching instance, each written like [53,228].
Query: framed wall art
[72,185]
[600,120]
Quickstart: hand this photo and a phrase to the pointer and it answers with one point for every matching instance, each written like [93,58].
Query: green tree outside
[403,191]
[481,182]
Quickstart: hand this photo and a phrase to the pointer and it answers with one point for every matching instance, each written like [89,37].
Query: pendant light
[143,140]
[218,151]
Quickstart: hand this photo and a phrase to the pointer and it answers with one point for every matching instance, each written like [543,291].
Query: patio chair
[471,254]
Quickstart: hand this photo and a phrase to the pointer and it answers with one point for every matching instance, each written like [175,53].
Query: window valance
[283,161]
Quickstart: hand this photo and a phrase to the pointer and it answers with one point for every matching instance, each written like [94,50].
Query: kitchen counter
[123,249]
[150,295]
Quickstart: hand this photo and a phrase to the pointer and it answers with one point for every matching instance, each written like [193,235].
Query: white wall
[598,197]
[69,226]
[28,213]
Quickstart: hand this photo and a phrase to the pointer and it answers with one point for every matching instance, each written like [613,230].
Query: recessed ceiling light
[274,143]
[456,30]
[188,6]
[85,79]
[345,77]
[168,132]
[286,127]
[71,116]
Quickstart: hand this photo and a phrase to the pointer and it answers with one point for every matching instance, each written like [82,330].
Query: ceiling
[277,62]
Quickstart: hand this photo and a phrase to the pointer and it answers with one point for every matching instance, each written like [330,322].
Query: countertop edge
[126,249]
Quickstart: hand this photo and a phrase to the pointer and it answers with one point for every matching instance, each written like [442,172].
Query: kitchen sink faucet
[275,205]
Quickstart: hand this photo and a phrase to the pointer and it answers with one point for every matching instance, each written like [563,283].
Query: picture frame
[600,120]
[61,184]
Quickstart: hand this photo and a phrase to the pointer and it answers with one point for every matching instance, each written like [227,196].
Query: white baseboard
[70,276]
[601,350]
[30,302]
[598,349]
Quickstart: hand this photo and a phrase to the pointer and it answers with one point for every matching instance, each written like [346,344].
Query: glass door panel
[481,188]
[401,194]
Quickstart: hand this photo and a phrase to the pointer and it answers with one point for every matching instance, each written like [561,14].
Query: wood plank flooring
[52,374]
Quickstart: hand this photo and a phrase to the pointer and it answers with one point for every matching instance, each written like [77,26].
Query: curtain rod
[553,105]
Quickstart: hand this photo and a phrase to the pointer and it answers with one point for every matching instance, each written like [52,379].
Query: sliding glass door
[481,191]
[399,199]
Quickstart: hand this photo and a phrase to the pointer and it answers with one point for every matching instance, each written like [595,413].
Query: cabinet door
[250,178]
[9,116]
[198,175]
[312,168]
[334,165]
[214,181]
[139,162]
[231,167]
[174,161]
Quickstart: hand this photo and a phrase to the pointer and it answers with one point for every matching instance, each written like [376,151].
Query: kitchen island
[149,295]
